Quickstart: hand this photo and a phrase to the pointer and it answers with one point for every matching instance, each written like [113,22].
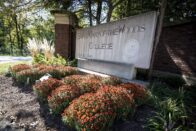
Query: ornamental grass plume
[97,111]
[33,46]
[37,46]
[61,97]
[44,88]
[47,48]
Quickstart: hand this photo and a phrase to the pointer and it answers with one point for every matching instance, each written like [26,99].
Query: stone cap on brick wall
[64,17]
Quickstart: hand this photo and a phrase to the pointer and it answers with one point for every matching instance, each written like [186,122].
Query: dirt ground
[20,111]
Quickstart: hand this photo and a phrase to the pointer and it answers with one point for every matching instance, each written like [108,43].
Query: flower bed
[61,97]
[88,102]
[90,83]
[17,68]
[27,74]
[97,111]
[73,79]
[44,88]
[111,81]
[75,85]
[86,83]
[139,92]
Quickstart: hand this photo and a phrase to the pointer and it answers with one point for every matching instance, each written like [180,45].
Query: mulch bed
[20,110]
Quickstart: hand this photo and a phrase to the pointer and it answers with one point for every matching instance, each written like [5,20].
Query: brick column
[64,34]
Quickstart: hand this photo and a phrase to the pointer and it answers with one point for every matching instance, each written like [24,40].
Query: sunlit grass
[5,66]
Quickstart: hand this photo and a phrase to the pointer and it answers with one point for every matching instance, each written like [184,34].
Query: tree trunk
[10,37]
[17,32]
[11,43]
[90,12]
[158,34]
[21,40]
[109,14]
[99,9]
[111,7]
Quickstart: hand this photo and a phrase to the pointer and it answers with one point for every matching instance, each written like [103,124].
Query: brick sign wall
[176,51]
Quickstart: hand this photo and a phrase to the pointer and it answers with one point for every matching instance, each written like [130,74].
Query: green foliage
[58,60]
[73,63]
[54,60]
[172,107]
[172,81]
[169,116]
[39,59]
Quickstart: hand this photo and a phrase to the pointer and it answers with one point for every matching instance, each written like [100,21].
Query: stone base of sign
[143,83]
[124,71]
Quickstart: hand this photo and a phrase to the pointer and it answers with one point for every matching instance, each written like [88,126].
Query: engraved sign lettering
[126,41]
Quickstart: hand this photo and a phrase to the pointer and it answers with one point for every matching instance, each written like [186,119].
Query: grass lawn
[5,66]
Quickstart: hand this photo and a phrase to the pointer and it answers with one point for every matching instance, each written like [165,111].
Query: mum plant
[17,68]
[97,111]
[44,88]
[28,76]
[61,97]
[111,81]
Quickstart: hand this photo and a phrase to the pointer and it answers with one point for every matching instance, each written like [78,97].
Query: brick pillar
[64,34]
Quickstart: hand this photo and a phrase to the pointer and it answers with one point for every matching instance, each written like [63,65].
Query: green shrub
[73,63]
[171,108]
[39,58]
[170,116]
[56,60]
[172,81]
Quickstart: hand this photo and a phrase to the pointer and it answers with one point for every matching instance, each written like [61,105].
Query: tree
[16,23]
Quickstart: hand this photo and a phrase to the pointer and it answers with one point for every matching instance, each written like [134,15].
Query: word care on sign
[126,41]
